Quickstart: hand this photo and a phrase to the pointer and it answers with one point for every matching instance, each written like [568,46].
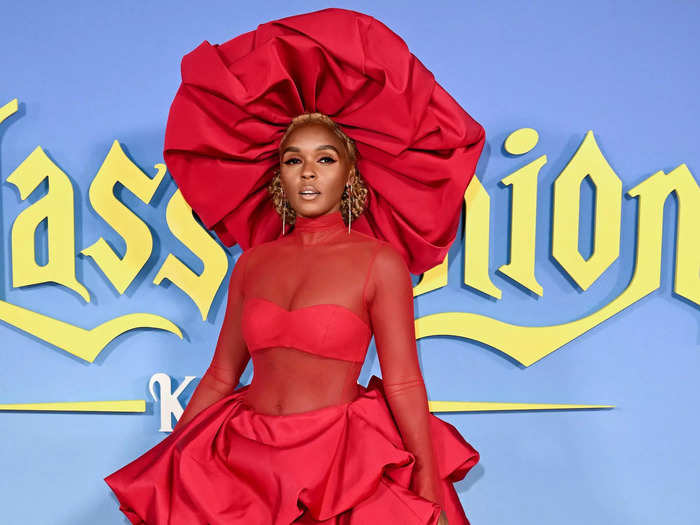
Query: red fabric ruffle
[337,465]
[417,147]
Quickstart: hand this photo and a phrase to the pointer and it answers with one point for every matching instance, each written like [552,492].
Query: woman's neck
[323,228]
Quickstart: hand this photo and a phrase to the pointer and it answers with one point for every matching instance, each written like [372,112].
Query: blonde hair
[358,189]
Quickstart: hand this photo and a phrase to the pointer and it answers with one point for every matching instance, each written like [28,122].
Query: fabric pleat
[418,148]
[340,464]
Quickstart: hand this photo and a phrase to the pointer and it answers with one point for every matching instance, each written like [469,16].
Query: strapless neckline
[325,329]
[309,306]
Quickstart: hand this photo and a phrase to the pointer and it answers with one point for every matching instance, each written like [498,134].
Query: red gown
[304,442]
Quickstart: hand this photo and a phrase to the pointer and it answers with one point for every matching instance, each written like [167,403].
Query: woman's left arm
[389,296]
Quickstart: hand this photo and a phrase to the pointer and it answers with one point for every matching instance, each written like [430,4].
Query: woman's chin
[312,209]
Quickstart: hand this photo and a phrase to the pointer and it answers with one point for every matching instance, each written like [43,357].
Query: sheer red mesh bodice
[304,307]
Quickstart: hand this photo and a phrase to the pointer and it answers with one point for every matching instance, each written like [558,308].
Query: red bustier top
[304,307]
[326,329]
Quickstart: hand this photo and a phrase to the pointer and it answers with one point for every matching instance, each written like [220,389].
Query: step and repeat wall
[560,335]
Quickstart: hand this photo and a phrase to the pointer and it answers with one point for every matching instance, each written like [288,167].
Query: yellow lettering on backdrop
[523,225]
[127,405]
[200,288]
[118,168]
[477,222]
[528,344]
[8,109]
[521,141]
[588,161]
[82,343]
[433,279]
[652,194]
[56,207]
[476,247]
[495,406]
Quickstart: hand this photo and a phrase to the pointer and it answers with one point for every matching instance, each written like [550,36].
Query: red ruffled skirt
[337,465]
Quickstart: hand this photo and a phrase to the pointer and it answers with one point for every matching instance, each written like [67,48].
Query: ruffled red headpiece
[417,148]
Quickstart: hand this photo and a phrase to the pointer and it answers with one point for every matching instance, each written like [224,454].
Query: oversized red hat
[417,148]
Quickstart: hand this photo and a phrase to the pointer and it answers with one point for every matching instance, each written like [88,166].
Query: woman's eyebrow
[323,146]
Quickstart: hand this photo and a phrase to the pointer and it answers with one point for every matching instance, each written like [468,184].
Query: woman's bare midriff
[288,381]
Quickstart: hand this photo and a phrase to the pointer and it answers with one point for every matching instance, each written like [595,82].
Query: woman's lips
[309,193]
[309,196]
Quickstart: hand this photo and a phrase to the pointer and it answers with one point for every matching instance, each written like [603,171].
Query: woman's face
[314,168]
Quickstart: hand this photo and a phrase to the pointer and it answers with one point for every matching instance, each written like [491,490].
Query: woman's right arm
[230,356]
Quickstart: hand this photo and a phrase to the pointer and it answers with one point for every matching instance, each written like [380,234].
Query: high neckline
[332,220]
[312,230]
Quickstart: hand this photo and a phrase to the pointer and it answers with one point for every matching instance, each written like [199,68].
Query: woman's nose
[308,174]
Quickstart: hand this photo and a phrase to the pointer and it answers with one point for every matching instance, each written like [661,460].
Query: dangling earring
[348,187]
[284,211]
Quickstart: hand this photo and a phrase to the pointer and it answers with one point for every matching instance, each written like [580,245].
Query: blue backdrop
[87,73]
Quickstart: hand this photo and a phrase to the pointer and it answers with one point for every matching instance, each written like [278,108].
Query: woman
[304,443]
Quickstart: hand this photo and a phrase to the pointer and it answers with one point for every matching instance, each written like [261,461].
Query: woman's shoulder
[384,256]
[251,256]
[364,239]
[265,247]
[373,247]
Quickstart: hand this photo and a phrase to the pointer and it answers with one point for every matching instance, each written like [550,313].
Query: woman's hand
[442,520]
